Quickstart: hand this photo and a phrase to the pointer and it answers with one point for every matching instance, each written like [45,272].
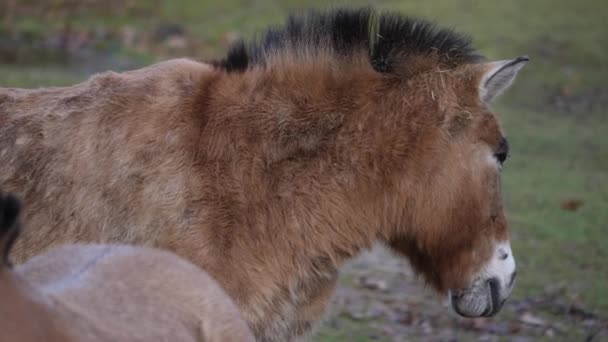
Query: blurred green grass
[555,114]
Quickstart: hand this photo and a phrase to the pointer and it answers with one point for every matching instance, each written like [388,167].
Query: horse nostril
[512,278]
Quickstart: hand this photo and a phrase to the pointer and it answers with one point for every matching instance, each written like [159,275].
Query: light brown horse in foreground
[272,167]
[109,293]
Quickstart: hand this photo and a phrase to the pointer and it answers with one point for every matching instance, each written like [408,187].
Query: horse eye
[503,150]
[501,156]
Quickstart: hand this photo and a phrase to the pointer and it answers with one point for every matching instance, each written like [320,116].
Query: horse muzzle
[490,289]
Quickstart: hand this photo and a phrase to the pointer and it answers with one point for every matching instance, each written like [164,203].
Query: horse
[109,293]
[273,166]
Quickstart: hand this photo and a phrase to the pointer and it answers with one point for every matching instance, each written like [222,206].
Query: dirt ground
[379,298]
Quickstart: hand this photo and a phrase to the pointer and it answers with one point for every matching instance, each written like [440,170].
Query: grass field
[555,182]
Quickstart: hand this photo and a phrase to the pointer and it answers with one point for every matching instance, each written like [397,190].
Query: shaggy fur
[271,177]
[111,293]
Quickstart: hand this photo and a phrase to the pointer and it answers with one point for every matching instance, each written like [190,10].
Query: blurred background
[555,181]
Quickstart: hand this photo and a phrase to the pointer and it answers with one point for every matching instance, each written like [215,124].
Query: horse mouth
[469,302]
[495,304]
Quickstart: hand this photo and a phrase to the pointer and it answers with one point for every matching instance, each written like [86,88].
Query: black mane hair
[10,207]
[388,38]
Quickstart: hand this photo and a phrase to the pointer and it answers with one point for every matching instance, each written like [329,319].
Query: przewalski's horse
[273,166]
[109,293]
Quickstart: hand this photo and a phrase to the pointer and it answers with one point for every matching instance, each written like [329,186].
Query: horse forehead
[488,128]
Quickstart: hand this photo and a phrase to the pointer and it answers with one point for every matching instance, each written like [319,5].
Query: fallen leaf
[572,204]
[522,339]
[373,284]
[529,319]
[402,317]
[487,325]
[426,327]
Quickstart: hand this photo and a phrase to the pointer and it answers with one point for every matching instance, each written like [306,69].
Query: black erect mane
[388,38]
[10,207]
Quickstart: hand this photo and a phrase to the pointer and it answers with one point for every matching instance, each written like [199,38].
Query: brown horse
[272,167]
[109,293]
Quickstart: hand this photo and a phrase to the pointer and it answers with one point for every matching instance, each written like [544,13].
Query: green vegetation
[554,115]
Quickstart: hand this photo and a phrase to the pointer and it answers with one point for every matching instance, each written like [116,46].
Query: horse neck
[323,143]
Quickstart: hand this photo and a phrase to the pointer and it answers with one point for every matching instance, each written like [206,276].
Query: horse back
[114,150]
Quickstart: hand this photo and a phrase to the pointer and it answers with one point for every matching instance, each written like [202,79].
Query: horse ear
[498,77]
[10,208]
